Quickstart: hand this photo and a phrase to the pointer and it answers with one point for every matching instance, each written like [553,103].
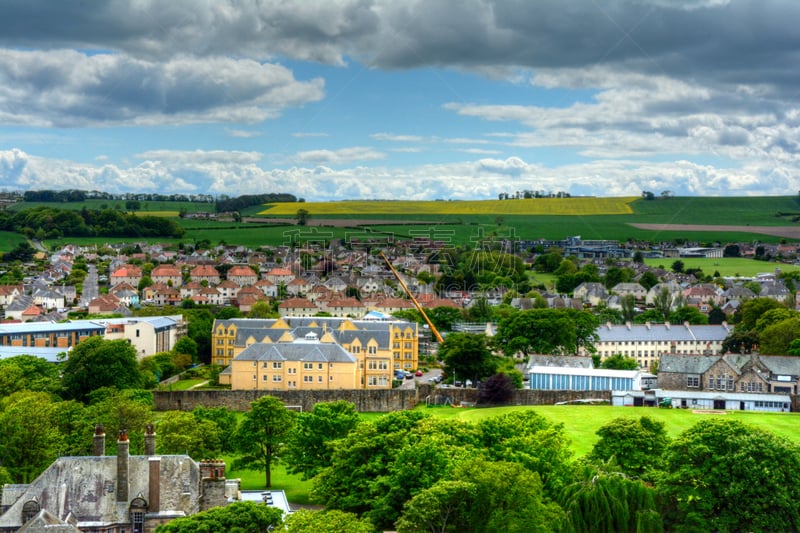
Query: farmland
[705,220]
[533,206]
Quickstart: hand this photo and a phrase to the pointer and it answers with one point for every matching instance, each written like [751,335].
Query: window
[319,379]
[372,350]
[264,377]
[308,379]
[383,365]
[319,366]
[277,364]
[372,365]
[308,366]
[693,381]
[276,378]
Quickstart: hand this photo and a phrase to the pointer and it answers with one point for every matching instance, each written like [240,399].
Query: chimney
[154,485]
[123,448]
[99,440]
[149,440]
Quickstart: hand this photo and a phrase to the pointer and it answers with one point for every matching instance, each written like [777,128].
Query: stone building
[130,493]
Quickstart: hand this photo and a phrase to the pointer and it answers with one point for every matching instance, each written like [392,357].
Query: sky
[412,99]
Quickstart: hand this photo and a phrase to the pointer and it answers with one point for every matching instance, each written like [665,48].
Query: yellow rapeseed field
[533,206]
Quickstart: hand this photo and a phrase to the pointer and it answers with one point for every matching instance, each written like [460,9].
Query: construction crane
[413,300]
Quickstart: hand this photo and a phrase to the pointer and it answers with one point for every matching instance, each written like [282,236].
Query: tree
[187,346]
[637,446]
[262,434]
[724,475]
[30,439]
[677,266]
[619,362]
[181,432]
[731,250]
[467,356]
[497,390]
[608,502]
[302,217]
[95,362]
[127,409]
[26,372]
[740,342]
[308,448]
[648,280]
[262,309]
[546,331]
[446,507]
[684,314]
[330,521]
[752,311]
[778,338]
[628,305]
[239,517]
[662,302]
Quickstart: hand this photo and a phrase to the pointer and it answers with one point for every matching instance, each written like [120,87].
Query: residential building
[648,342]
[167,274]
[206,273]
[242,275]
[129,274]
[376,344]
[297,307]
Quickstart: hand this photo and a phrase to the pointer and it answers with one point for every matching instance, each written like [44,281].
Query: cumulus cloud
[338,157]
[67,88]
[221,172]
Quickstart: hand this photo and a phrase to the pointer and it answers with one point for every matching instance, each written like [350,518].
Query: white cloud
[66,88]
[239,173]
[338,157]
[396,138]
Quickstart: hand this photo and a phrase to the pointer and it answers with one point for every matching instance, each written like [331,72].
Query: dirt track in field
[338,222]
[790,232]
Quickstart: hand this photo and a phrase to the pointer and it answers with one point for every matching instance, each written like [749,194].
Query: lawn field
[147,208]
[581,422]
[726,266]
[9,240]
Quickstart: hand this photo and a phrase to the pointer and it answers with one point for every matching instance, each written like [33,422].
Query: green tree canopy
[95,363]
[26,372]
[330,521]
[724,475]
[619,362]
[467,356]
[636,445]
[181,432]
[261,435]
[238,517]
[547,331]
[309,447]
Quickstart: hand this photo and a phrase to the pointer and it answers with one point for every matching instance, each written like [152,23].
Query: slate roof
[296,351]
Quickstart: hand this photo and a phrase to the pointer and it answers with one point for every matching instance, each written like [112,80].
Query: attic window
[29,510]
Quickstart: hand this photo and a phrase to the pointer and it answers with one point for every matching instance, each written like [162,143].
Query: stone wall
[379,401]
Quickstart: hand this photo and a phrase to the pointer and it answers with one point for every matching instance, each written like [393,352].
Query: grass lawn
[297,491]
[182,384]
[10,240]
[582,421]
[726,266]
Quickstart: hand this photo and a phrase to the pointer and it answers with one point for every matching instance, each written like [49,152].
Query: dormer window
[29,510]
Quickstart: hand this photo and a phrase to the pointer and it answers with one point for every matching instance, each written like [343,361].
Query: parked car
[409,375]
[418,373]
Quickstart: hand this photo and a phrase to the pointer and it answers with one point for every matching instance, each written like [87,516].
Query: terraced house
[302,353]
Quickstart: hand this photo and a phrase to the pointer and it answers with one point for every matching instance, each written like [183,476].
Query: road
[90,288]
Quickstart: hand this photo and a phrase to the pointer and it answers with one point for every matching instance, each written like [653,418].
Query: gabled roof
[296,351]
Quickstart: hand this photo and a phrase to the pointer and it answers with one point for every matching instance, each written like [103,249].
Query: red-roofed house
[205,273]
[279,275]
[129,274]
[242,275]
[168,274]
[297,307]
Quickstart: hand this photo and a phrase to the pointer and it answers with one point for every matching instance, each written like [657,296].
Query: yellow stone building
[301,353]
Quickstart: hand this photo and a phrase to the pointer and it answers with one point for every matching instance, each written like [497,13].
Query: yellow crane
[413,300]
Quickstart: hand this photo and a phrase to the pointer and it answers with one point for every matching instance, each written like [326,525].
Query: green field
[726,266]
[461,223]
[581,422]
[147,208]
[9,240]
